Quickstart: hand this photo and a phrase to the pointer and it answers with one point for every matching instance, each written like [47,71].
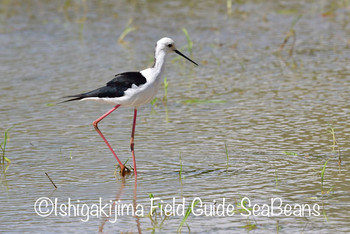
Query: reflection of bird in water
[110,217]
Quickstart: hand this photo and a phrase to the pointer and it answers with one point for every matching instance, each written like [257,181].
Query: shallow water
[269,103]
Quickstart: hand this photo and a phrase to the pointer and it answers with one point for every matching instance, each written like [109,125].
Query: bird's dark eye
[170,45]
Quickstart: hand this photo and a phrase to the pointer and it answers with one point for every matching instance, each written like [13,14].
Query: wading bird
[131,89]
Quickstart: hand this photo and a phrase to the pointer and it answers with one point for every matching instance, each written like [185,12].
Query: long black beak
[179,53]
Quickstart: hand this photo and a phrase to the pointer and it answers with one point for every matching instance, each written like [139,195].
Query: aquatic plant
[187,214]
[117,171]
[158,215]
[335,143]
[155,215]
[51,180]
[333,6]
[180,172]
[242,206]
[276,178]
[3,145]
[278,228]
[189,41]
[128,29]
[76,8]
[290,34]
[322,173]
[166,85]
[226,151]
[249,225]
[290,153]
[229,7]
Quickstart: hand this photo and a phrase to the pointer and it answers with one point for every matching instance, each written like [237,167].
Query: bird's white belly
[137,96]
[134,96]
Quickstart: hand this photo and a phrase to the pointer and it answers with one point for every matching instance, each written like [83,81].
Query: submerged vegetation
[226,152]
[335,145]
[322,173]
[189,42]
[291,34]
[166,85]
[54,185]
[5,161]
[180,171]
[128,29]
[187,214]
[157,215]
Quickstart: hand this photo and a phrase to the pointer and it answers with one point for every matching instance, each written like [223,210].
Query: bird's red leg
[122,167]
[132,141]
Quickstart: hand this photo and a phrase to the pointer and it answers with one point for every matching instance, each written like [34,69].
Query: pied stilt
[131,89]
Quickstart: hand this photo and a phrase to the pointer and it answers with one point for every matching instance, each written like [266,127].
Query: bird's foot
[122,171]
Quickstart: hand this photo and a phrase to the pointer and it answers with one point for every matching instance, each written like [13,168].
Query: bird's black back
[115,87]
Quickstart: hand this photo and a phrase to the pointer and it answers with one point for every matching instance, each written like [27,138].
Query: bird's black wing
[114,88]
[127,79]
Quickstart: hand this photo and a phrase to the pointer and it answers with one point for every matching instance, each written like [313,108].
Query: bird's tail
[74,97]
[100,92]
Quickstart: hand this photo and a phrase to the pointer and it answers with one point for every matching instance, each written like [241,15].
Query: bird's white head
[167,45]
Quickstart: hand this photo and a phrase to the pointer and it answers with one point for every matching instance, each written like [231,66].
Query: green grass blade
[128,29]
[226,156]
[290,153]
[166,85]
[180,172]
[154,101]
[3,149]
[323,171]
[188,212]
[189,41]
[8,163]
[276,178]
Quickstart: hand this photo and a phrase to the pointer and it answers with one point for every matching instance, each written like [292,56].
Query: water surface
[273,111]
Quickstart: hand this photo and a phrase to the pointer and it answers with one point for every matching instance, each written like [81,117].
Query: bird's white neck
[154,73]
[159,61]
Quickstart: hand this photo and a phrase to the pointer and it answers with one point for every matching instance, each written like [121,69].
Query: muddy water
[273,109]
